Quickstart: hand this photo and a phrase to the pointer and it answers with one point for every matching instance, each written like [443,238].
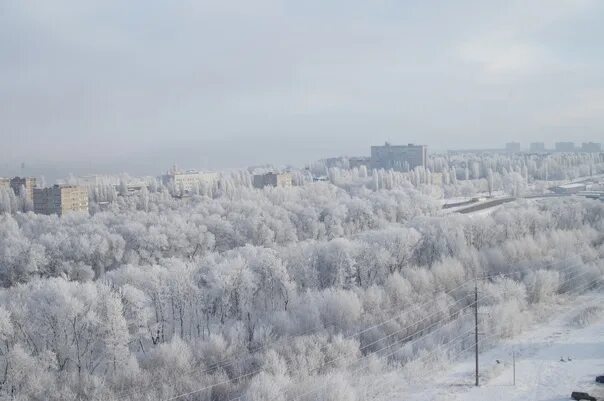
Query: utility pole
[514,365]
[476,328]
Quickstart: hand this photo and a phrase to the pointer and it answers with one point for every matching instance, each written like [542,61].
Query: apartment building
[591,147]
[347,162]
[60,199]
[17,183]
[537,147]
[28,183]
[512,147]
[272,180]
[358,161]
[399,157]
[186,181]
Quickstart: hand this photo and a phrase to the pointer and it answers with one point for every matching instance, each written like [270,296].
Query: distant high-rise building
[187,181]
[513,147]
[60,199]
[591,147]
[537,147]
[399,157]
[272,180]
[565,147]
[26,183]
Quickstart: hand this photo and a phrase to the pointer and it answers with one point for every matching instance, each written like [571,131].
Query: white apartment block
[187,181]
[60,199]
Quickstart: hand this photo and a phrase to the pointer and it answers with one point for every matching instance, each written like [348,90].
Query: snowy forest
[278,294]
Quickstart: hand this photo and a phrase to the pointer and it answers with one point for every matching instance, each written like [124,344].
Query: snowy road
[540,373]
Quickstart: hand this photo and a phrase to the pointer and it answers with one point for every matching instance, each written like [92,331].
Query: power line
[577,289]
[476,342]
[335,359]
[290,339]
[260,370]
[367,356]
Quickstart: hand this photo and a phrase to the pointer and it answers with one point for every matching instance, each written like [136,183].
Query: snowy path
[540,375]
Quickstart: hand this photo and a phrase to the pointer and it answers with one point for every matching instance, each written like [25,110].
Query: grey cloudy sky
[135,85]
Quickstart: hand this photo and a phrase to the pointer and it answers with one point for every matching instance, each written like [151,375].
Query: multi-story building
[398,157]
[537,147]
[512,147]
[346,162]
[356,162]
[591,147]
[334,162]
[4,183]
[565,147]
[94,180]
[27,183]
[60,199]
[272,180]
[186,181]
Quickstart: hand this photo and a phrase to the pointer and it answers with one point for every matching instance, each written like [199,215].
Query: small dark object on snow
[497,360]
[562,359]
[577,395]
[600,379]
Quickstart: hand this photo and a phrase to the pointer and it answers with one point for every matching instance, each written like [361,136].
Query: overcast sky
[136,85]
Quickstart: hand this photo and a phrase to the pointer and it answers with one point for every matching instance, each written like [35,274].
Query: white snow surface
[540,373]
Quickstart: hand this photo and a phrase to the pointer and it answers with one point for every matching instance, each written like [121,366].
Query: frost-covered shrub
[267,387]
[542,285]
[587,316]
[335,388]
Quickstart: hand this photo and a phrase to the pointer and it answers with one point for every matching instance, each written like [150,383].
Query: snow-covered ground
[540,373]
[459,199]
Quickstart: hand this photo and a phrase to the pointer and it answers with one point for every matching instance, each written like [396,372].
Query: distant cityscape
[66,197]
[569,147]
